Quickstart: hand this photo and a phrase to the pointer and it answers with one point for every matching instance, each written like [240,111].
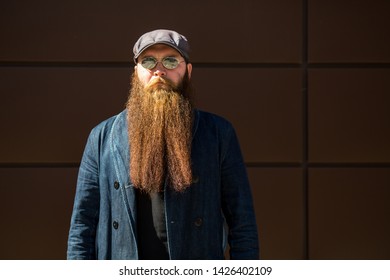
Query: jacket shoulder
[207,119]
[103,129]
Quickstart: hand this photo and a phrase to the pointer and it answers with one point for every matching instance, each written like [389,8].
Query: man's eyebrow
[160,57]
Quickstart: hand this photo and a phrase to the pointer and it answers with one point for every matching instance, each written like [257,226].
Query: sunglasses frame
[156,61]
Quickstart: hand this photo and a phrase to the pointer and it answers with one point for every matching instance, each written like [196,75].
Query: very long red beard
[160,125]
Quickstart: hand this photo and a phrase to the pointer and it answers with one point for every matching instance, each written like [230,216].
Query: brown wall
[306,84]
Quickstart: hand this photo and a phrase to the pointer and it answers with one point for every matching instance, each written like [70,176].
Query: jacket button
[195,180]
[116,185]
[115,224]
[198,222]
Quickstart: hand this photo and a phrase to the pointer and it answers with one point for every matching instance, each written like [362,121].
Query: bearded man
[162,180]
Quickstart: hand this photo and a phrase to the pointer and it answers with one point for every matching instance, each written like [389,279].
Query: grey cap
[162,36]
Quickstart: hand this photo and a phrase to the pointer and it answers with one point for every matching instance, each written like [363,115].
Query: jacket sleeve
[82,233]
[237,202]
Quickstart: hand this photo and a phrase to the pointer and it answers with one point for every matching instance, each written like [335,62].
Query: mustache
[160,83]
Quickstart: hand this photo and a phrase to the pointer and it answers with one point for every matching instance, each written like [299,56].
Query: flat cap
[162,36]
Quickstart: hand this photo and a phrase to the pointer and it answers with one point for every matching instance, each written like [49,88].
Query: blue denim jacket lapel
[119,145]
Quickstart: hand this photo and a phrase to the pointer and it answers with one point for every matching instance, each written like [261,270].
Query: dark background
[305,83]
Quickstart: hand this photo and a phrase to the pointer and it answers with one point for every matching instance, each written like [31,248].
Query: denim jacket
[103,223]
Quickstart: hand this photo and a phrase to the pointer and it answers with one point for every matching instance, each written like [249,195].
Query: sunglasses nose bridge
[159,69]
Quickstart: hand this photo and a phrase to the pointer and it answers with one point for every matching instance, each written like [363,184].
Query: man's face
[159,52]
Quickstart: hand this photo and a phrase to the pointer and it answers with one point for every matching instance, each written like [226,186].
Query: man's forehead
[160,49]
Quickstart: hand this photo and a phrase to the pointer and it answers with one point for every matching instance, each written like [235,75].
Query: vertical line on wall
[305,128]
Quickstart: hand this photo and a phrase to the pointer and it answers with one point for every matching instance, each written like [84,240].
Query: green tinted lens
[170,62]
[148,62]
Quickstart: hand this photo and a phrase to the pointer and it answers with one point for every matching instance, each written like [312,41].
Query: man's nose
[159,70]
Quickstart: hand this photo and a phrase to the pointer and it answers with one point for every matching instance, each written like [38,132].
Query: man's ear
[189,70]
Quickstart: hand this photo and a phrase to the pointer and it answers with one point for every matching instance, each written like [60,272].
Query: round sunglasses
[168,62]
